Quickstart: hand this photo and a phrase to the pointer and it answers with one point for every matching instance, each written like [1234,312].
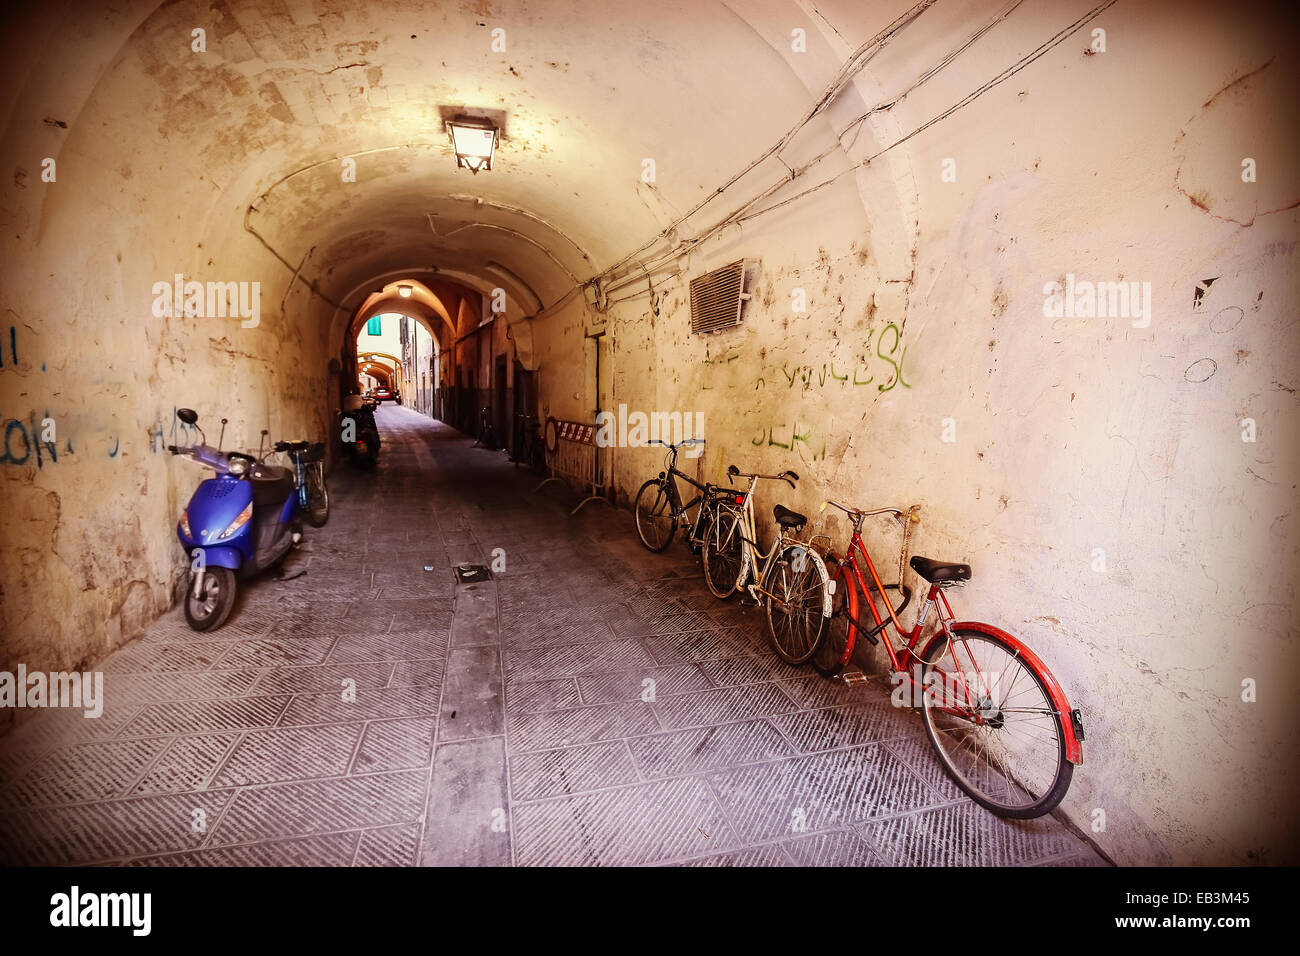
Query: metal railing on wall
[573,456]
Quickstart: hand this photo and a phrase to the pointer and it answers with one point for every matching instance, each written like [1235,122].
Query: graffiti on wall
[808,377]
[30,439]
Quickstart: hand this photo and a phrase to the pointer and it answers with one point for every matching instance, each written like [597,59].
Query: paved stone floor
[493,723]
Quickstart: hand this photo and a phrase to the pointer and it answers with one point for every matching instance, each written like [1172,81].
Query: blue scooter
[245,519]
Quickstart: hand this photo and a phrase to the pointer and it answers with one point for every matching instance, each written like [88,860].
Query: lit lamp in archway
[474,141]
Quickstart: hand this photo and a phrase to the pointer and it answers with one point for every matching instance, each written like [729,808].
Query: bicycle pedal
[853,678]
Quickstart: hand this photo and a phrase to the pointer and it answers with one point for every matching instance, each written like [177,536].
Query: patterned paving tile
[272,651]
[149,657]
[322,678]
[93,832]
[298,809]
[388,846]
[91,771]
[575,660]
[415,701]
[832,727]
[254,726]
[537,696]
[639,824]
[631,685]
[330,849]
[305,627]
[819,792]
[196,716]
[576,725]
[966,835]
[918,753]
[707,748]
[188,764]
[836,848]
[389,647]
[721,705]
[747,670]
[292,753]
[550,633]
[817,691]
[147,688]
[418,672]
[395,745]
[704,645]
[549,773]
[759,856]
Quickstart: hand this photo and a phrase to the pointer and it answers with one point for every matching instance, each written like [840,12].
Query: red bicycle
[996,716]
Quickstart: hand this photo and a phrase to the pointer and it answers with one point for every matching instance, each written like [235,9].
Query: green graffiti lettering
[898,366]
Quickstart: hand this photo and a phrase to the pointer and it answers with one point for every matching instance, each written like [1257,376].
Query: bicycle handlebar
[789,477]
[680,444]
[859,514]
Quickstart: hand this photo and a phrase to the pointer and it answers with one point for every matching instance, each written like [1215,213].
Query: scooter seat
[272,484]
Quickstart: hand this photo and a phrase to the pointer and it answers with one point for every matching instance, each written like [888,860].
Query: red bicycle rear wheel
[992,722]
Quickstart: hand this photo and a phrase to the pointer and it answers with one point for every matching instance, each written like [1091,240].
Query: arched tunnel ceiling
[287,90]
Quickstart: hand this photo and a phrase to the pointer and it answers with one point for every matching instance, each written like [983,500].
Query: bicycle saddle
[938,572]
[787,518]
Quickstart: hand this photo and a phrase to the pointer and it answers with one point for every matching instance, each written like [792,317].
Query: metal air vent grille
[718,297]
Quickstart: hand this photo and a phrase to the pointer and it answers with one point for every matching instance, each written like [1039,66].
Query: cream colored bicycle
[789,579]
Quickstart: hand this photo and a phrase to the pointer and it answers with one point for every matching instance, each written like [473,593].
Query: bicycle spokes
[994,724]
[655,517]
[794,597]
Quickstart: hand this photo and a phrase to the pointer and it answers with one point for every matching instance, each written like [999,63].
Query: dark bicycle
[529,449]
[659,508]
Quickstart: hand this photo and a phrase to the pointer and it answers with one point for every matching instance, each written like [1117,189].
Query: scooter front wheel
[209,610]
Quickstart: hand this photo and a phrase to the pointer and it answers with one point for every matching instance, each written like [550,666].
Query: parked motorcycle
[245,519]
[359,432]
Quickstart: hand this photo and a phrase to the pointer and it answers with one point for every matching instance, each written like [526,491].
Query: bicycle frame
[906,661]
[669,475]
[751,553]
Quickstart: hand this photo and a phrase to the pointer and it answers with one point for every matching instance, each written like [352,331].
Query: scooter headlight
[237,466]
[238,523]
[185,523]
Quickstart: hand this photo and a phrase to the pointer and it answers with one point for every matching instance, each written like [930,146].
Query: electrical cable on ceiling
[735,217]
[960,104]
[851,67]
[740,214]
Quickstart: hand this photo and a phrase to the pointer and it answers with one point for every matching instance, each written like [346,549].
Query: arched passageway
[980,261]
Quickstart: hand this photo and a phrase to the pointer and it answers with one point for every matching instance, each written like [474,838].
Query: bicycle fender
[820,565]
[744,567]
[1073,748]
[826,578]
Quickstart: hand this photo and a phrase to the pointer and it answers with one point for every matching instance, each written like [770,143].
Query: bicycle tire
[835,649]
[721,555]
[1051,793]
[654,509]
[318,496]
[796,640]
